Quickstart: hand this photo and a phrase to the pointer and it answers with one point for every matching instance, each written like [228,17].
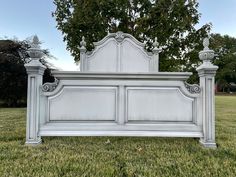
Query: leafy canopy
[13,82]
[225,48]
[171,21]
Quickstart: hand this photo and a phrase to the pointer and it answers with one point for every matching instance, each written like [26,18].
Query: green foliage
[172,21]
[225,48]
[13,82]
[120,156]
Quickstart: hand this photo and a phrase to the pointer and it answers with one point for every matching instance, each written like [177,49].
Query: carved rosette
[49,87]
[192,88]
[119,36]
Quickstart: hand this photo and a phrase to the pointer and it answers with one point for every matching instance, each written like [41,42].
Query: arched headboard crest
[118,52]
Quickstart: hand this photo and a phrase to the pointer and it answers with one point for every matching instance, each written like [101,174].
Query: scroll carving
[49,87]
[119,36]
[192,88]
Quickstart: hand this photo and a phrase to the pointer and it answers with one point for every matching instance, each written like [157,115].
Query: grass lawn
[120,156]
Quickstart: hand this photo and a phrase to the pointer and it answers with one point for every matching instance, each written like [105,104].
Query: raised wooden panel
[133,58]
[84,103]
[158,104]
[117,52]
[122,104]
[104,58]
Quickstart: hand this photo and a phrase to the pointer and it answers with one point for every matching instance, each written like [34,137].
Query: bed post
[35,71]
[207,72]
[83,61]
[155,60]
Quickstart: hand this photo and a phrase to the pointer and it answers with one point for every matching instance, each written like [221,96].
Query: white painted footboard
[100,104]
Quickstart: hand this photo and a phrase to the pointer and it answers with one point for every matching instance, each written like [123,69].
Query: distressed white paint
[208,104]
[150,104]
[120,93]
[35,71]
[89,103]
[207,73]
[119,52]
[132,58]
[104,60]
[107,104]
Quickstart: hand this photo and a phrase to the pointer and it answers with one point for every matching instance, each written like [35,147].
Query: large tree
[13,82]
[225,48]
[171,21]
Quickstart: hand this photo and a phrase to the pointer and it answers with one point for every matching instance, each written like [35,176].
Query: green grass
[122,156]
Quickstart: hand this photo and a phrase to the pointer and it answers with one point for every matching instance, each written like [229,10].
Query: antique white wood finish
[119,92]
[119,52]
[207,73]
[121,104]
[89,103]
[35,72]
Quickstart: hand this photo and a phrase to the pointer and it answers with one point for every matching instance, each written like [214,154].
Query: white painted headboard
[119,52]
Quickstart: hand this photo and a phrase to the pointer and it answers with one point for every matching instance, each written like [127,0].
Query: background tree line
[13,82]
[171,21]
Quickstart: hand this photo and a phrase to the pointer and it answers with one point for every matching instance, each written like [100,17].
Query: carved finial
[83,43]
[206,54]
[35,43]
[34,51]
[35,40]
[206,43]
[155,44]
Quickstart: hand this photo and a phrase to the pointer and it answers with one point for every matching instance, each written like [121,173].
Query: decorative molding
[113,46]
[72,75]
[83,43]
[206,55]
[119,36]
[156,49]
[49,87]
[206,43]
[192,88]
[35,52]
[51,112]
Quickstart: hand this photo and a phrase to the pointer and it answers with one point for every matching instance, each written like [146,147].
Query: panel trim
[112,129]
[177,88]
[102,88]
[122,133]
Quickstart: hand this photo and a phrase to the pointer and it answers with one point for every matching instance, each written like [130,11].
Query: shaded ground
[120,156]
